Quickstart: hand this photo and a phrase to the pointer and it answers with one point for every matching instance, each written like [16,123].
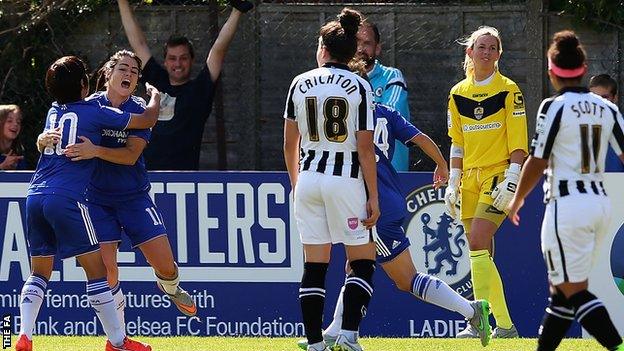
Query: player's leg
[569,247]
[312,292]
[42,248]
[487,282]
[76,236]
[143,224]
[108,231]
[358,290]
[314,234]
[557,320]
[345,202]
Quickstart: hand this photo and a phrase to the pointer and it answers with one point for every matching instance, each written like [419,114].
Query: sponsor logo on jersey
[518,101]
[480,95]
[518,113]
[478,112]
[481,126]
[439,244]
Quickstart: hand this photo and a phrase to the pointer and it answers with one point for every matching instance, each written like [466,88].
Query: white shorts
[572,230]
[329,209]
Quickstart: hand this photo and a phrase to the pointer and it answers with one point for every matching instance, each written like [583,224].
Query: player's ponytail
[566,56]
[469,41]
[339,37]
[350,21]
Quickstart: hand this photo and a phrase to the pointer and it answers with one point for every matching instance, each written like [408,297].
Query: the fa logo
[439,244]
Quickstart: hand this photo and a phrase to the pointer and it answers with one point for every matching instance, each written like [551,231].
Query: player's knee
[314,275]
[363,269]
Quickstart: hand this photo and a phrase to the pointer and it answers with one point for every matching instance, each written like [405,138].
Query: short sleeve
[402,129]
[453,120]
[366,107]
[617,137]
[546,129]
[155,74]
[289,110]
[114,118]
[515,120]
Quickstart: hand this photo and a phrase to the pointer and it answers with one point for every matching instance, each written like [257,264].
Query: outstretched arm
[127,155]
[133,30]
[441,173]
[222,44]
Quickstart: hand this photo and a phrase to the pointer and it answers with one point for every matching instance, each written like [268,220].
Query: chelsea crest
[439,244]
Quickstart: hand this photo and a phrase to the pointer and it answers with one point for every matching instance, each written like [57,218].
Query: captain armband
[457,151]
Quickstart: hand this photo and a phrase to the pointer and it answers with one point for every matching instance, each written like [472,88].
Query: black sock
[593,316]
[557,320]
[357,294]
[312,299]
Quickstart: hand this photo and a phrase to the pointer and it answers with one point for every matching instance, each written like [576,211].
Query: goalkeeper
[488,129]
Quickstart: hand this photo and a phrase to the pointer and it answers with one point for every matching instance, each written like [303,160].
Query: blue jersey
[390,89]
[56,173]
[390,127]
[115,182]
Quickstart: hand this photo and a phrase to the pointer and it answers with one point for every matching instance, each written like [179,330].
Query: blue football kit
[390,127]
[118,195]
[57,219]
[390,89]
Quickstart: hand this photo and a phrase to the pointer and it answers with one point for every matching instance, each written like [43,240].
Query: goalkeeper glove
[451,195]
[241,5]
[504,192]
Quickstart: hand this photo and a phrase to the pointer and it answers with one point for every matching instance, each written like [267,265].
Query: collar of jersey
[573,90]
[336,65]
[376,70]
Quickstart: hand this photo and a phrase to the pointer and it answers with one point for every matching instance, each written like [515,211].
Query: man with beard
[388,84]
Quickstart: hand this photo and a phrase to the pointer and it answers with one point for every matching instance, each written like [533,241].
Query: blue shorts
[58,225]
[391,239]
[138,218]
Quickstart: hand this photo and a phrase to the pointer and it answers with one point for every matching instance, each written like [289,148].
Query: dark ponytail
[339,37]
[566,50]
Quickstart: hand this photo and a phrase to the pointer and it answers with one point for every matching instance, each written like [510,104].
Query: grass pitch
[55,343]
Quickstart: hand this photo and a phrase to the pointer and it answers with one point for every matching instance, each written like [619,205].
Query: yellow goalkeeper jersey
[487,121]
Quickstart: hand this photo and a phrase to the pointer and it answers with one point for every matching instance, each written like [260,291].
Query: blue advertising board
[240,257]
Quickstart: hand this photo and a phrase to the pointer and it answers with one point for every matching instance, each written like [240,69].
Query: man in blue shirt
[607,87]
[388,84]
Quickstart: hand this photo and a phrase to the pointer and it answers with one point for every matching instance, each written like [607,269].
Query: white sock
[101,299]
[334,328]
[169,285]
[120,303]
[319,346]
[433,290]
[31,300]
[350,334]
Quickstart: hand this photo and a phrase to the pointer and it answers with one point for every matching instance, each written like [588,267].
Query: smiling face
[178,62]
[484,53]
[124,76]
[12,125]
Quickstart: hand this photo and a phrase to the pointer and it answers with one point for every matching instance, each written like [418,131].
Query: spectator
[607,87]
[11,149]
[186,103]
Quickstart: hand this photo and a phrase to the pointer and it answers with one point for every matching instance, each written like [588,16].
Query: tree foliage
[600,15]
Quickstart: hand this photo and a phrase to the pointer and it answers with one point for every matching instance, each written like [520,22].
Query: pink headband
[566,72]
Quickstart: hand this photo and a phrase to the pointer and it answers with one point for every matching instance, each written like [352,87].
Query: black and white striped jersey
[330,104]
[573,131]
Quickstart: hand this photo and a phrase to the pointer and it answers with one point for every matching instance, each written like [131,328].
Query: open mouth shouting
[126,83]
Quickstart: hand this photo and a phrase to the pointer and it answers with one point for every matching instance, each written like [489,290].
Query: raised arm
[134,33]
[222,44]
[149,117]
[441,173]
